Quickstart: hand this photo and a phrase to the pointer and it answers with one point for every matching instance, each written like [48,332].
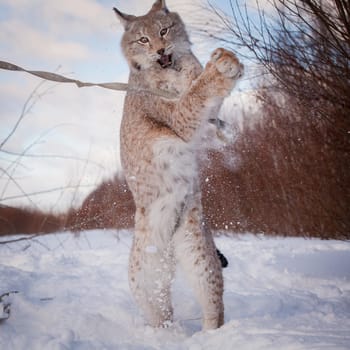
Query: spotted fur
[159,141]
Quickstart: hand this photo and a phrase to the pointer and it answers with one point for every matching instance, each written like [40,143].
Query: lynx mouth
[165,61]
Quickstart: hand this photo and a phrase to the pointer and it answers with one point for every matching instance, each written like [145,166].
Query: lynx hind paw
[227,63]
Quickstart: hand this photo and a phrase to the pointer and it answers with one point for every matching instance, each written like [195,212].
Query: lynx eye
[144,40]
[164,31]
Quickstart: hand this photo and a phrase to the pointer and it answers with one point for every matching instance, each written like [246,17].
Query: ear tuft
[158,6]
[123,17]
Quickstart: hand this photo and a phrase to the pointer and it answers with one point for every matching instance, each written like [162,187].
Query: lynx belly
[176,168]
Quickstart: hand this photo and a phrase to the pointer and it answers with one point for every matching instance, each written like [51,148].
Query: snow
[280,293]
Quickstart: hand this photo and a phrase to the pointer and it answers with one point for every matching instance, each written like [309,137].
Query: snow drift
[280,293]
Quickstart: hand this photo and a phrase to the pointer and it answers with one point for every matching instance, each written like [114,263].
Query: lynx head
[155,39]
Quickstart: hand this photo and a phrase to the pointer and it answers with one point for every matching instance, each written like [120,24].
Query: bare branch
[51,190]
[52,156]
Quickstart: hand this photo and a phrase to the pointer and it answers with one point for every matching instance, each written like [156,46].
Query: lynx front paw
[227,63]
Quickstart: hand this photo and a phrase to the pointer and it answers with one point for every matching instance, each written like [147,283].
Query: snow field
[280,293]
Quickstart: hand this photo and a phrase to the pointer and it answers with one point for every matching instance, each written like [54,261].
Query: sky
[67,140]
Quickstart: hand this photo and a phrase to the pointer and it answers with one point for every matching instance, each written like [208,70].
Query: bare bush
[304,46]
[110,205]
[295,163]
[29,218]
[28,221]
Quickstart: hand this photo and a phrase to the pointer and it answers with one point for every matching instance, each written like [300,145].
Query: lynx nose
[161,52]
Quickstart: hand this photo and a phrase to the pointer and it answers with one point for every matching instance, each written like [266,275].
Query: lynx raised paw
[227,63]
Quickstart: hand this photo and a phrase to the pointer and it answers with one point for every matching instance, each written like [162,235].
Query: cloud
[35,43]
[59,15]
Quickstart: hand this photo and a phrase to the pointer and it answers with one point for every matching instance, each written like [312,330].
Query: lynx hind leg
[227,63]
[196,252]
[151,271]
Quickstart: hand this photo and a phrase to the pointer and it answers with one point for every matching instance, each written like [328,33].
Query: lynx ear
[123,18]
[159,5]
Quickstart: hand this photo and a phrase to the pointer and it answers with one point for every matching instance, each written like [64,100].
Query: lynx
[159,139]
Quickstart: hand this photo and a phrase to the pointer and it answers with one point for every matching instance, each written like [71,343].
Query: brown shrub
[292,178]
[109,206]
[27,221]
